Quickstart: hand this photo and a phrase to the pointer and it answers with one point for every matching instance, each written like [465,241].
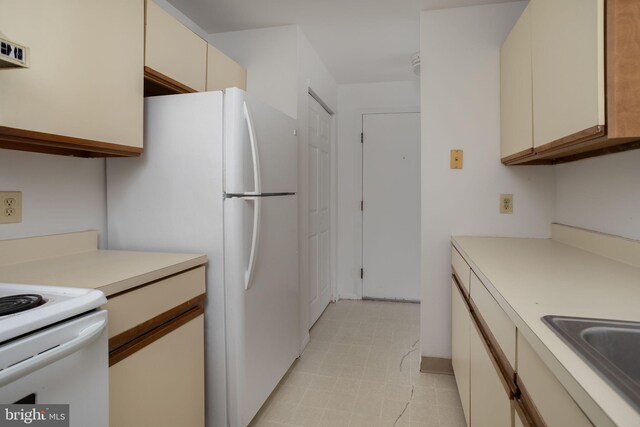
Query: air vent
[13,55]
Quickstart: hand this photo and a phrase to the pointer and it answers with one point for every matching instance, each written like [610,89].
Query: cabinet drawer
[135,307]
[540,386]
[163,383]
[460,268]
[499,324]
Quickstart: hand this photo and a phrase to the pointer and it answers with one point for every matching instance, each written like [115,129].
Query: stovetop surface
[52,304]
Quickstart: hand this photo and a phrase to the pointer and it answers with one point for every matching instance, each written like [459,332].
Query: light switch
[456,159]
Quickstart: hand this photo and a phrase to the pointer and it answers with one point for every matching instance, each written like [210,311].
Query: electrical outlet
[506,203]
[10,207]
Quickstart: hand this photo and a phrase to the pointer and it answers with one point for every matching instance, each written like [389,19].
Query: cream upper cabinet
[568,69]
[173,51]
[83,91]
[516,115]
[581,53]
[224,72]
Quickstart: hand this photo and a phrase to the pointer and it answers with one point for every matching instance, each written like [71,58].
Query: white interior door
[391,206]
[319,209]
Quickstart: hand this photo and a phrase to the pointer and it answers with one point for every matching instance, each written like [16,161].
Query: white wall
[353,101]
[59,194]
[460,92]
[602,194]
[270,56]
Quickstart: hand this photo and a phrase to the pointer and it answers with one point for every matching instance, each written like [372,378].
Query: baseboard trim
[436,365]
[305,341]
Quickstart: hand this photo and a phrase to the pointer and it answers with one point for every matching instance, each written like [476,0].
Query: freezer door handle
[248,275]
[21,369]
[257,181]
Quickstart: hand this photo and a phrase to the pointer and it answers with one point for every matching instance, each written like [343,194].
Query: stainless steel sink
[611,347]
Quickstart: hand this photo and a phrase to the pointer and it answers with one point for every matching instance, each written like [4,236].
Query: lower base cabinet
[460,325]
[552,401]
[485,400]
[167,372]
[490,402]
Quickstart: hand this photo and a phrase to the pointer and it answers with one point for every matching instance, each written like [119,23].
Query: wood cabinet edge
[157,83]
[132,340]
[499,360]
[41,142]
[529,409]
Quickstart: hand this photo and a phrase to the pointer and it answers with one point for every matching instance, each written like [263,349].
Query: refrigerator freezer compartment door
[260,147]
[262,321]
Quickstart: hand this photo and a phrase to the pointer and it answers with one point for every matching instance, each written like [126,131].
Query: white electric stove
[53,350]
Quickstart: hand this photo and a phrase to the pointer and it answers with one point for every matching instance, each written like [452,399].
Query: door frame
[358,219]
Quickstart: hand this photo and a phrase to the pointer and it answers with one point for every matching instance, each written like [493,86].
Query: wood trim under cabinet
[525,416]
[127,350]
[126,338]
[570,140]
[529,409]
[466,294]
[622,26]
[500,362]
[41,142]
[518,157]
[156,83]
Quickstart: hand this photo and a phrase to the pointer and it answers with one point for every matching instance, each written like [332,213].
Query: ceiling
[358,40]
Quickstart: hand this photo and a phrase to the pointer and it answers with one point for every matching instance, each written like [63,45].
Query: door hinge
[362,273]
[361,137]
[362,205]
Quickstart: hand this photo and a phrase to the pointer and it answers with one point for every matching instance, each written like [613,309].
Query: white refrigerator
[219,176]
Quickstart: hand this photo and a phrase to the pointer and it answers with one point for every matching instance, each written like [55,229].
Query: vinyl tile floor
[361,368]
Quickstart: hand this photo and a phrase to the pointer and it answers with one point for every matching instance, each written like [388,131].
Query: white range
[53,350]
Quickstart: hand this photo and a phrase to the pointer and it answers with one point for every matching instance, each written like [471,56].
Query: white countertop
[109,271]
[531,278]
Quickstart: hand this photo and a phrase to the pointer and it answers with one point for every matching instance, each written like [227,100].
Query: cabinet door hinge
[362,273]
[361,137]
[362,205]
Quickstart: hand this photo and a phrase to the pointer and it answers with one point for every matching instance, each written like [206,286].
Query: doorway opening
[320,209]
[390,206]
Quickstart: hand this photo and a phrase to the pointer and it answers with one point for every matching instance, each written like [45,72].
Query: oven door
[63,364]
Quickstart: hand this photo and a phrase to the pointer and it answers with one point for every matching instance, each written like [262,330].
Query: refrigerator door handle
[257,181]
[248,275]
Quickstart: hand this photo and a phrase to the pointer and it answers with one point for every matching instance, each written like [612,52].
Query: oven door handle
[21,369]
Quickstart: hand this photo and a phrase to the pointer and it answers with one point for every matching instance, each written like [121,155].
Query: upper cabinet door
[82,93]
[568,70]
[174,51]
[224,72]
[516,116]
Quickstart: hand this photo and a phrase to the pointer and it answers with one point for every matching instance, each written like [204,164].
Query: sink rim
[570,328]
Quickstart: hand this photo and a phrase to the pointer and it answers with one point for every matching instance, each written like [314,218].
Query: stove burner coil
[17,303]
